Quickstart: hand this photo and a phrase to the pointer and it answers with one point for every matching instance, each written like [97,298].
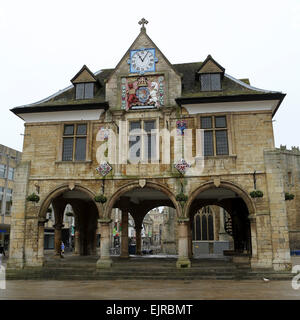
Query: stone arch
[60,190]
[135,185]
[226,185]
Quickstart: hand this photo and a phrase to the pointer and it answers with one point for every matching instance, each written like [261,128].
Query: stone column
[183,246]
[124,235]
[76,242]
[190,241]
[57,239]
[105,260]
[41,239]
[138,237]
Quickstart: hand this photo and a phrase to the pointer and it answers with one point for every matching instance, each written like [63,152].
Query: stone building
[145,134]
[9,159]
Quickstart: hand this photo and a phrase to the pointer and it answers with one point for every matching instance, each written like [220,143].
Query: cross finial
[143,21]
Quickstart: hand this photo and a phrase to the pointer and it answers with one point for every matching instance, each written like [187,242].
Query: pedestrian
[62,248]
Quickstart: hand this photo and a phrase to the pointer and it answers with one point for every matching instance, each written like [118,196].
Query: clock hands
[142,59]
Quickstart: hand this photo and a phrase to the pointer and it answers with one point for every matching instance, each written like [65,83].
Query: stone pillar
[57,239]
[281,259]
[105,260]
[138,237]
[41,238]
[76,242]
[124,235]
[183,246]
[190,241]
[18,225]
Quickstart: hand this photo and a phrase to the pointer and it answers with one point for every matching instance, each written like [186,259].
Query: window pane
[134,125]
[215,81]
[1,194]
[69,129]
[2,170]
[221,141]
[204,228]
[81,129]
[205,82]
[149,125]
[134,147]
[198,228]
[150,146]
[206,122]
[80,149]
[220,122]
[210,227]
[208,143]
[67,149]
[79,91]
[11,173]
[89,91]
[8,194]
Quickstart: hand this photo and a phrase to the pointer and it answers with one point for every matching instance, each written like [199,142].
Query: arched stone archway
[245,237]
[122,199]
[135,185]
[225,185]
[59,191]
[86,212]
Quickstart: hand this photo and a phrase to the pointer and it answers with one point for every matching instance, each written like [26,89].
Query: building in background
[9,159]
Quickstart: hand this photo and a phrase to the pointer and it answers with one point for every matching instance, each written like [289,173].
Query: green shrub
[256,194]
[289,196]
[33,198]
[100,198]
[181,197]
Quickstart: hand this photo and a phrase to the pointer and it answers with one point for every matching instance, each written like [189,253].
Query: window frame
[210,81]
[214,129]
[84,90]
[205,211]
[74,136]
[4,170]
[143,135]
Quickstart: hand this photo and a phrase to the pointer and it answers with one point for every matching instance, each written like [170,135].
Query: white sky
[43,44]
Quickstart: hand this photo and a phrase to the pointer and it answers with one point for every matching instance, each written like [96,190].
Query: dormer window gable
[84,83]
[210,75]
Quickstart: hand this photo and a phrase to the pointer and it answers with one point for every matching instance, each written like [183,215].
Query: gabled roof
[84,75]
[232,90]
[210,65]
[142,33]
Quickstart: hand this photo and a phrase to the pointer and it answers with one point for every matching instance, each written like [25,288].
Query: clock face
[142,60]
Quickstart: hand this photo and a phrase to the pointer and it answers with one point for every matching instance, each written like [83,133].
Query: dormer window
[210,81]
[84,83]
[84,90]
[210,74]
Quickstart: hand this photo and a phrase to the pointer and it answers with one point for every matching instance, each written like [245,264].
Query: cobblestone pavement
[151,289]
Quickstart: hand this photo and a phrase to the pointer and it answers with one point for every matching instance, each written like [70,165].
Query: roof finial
[143,21]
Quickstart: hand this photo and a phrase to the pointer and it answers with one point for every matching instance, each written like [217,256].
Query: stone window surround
[134,119]
[88,142]
[200,213]
[229,128]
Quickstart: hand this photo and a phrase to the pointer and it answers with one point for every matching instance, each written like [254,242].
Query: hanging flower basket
[33,198]
[181,198]
[289,196]
[49,210]
[100,198]
[256,194]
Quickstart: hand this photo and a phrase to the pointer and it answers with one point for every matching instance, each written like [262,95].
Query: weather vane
[142,22]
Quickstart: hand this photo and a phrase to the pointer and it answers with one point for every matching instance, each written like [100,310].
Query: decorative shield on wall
[143,94]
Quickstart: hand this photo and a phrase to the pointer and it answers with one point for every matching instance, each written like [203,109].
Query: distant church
[149,133]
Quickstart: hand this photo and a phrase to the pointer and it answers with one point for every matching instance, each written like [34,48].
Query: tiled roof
[190,88]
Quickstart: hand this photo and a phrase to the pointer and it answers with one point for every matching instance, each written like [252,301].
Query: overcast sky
[45,43]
